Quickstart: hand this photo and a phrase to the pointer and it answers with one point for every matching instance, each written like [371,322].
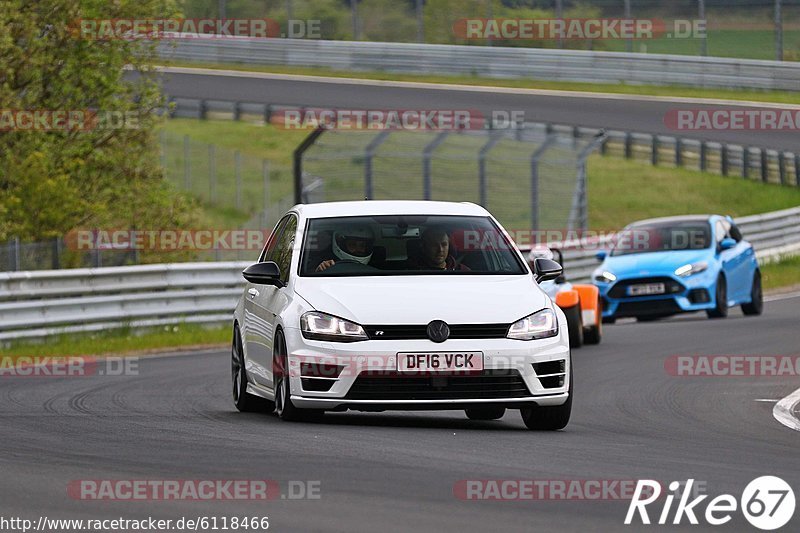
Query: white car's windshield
[406,245]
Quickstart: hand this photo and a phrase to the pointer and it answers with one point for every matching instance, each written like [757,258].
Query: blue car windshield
[663,236]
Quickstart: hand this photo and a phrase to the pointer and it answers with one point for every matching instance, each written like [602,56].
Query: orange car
[581,304]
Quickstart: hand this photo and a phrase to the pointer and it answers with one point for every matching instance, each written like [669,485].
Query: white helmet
[540,252]
[359,234]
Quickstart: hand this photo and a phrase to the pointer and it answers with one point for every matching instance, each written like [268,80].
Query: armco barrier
[44,303]
[492,62]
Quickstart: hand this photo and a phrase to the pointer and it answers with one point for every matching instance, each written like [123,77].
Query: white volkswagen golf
[380,305]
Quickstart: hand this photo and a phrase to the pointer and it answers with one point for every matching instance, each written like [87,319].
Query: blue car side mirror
[727,244]
[601,255]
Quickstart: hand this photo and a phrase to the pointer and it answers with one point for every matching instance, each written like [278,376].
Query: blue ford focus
[665,266]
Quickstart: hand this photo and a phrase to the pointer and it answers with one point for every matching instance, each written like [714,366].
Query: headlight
[540,325]
[606,277]
[691,270]
[322,327]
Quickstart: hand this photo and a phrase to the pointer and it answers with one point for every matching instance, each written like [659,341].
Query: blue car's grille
[620,289]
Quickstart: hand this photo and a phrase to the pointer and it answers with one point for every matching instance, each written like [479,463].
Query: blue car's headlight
[605,277]
[539,325]
[324,327]
[690,270]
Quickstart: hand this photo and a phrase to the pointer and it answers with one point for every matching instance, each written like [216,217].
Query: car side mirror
[546,270]
[601,255]
[267,273]
[727,244]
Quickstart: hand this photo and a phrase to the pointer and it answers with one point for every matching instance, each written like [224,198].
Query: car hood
[456,299]
[654,263]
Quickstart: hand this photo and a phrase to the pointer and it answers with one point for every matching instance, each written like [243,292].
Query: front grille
[396,386]
[457,331]
[620,290]
[650,307]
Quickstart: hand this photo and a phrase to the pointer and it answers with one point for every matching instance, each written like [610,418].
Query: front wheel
[721,308]
[550,418]
[756,305]
[485,413]
[284,407]
[575,325]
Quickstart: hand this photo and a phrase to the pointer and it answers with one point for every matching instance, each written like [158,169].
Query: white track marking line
[471,88]
[784,411]
[779,297]
[765,400]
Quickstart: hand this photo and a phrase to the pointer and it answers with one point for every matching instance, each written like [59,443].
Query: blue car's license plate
[646,289]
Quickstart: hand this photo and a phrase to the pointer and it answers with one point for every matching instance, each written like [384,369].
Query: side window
[720,231]
[269,248]
[736,233]
[282,253]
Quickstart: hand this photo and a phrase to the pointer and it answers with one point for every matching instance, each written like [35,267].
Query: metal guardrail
[41,304]
[493,62]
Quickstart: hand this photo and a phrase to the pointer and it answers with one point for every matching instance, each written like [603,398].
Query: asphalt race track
[610,112]
[396,471]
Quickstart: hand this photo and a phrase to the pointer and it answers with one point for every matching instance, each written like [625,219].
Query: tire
[575,325]
[485,413]
[594,334]
[756,305]
[721,308]
[551,418]
[284,407]
[244,401]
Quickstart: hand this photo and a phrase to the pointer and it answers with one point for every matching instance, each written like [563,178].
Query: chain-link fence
[754,29]
[528,178]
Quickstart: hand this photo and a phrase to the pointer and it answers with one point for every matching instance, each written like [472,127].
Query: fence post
[764,165]
[724,159]
[187,166]
[369,152]
[265,175]
[57,253]
[212,173]
[746,162]
[797,169]
[13,254]
[427,152]
[535,157]
[237,158]
[703,156]
[482,179]
[298,162]
[678,152]
[237,111]
[782,167]
[202,110]
[628,145]
[654,153]
[267,113]
[162,138]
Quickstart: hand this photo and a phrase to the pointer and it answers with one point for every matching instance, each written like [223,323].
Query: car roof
[388,207]
[680,218]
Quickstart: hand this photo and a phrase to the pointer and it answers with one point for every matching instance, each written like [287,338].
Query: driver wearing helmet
[350,244]
[540,251]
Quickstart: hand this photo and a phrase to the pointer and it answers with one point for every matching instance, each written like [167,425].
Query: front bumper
[501,357]
[696,293]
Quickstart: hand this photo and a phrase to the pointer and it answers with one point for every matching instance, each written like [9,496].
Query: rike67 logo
[767,502]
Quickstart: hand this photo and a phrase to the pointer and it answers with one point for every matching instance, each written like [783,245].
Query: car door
[257,318]
[274,300]
[743,271]
[731,260]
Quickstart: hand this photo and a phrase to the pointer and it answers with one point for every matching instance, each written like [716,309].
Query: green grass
[783,274]
[123,341]
[612,88]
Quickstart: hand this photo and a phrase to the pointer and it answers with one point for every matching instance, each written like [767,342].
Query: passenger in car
[435,252]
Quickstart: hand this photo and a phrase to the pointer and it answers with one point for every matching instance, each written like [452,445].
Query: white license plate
[646,289]
[438,362]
